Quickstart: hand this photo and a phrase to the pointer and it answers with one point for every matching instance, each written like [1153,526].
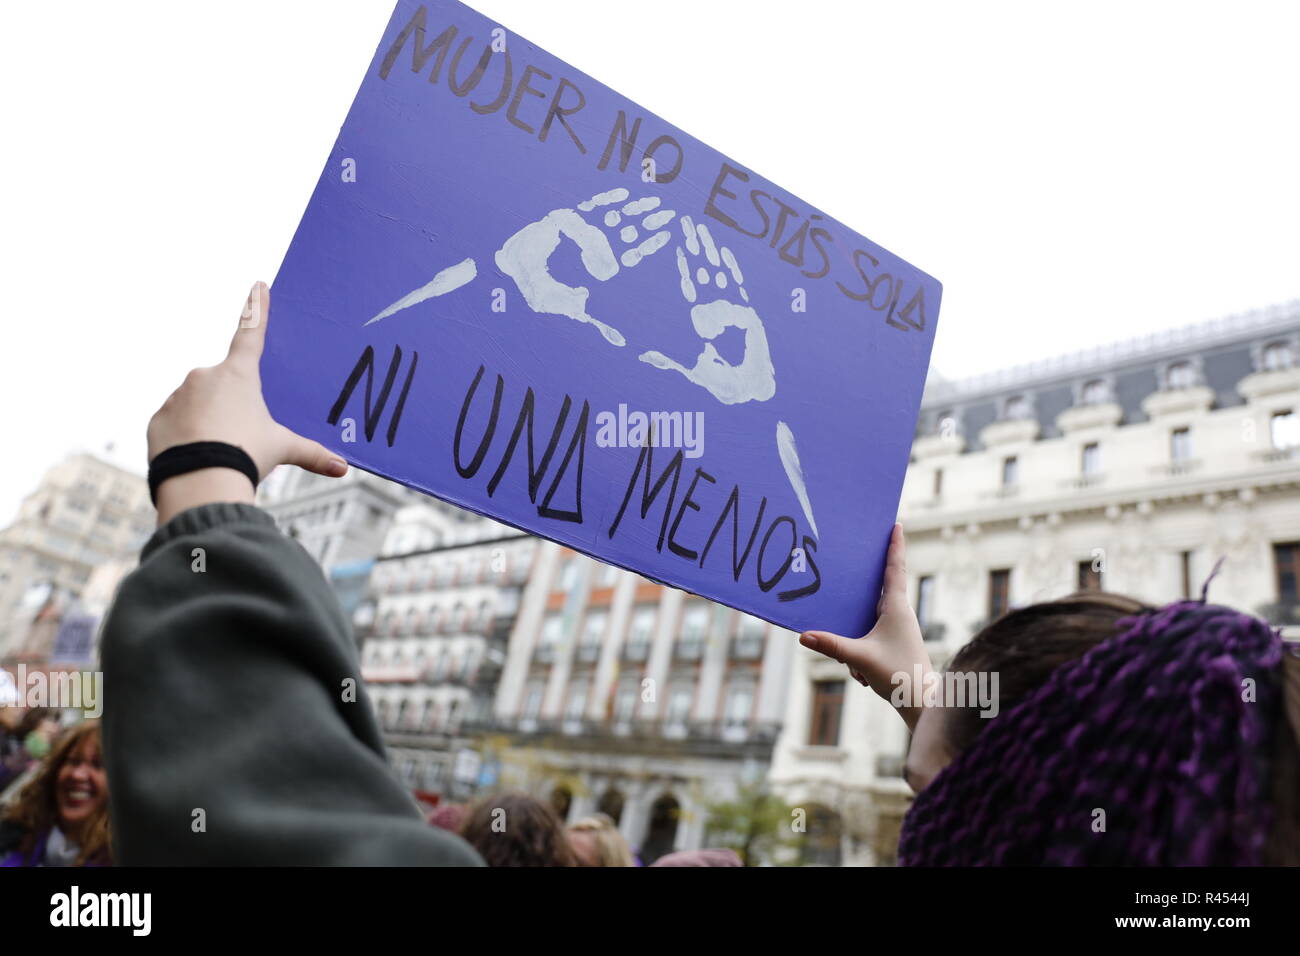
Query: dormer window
[1016,408]
[1095,392]
[1180,375]
[1278,356]
[945,423]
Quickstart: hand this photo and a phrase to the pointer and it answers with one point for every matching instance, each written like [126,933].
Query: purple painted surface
[439,163]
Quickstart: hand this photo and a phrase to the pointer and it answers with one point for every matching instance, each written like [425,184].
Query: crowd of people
[1123,733]
[55,810]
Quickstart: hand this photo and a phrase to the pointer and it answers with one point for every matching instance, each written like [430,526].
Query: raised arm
[236,728]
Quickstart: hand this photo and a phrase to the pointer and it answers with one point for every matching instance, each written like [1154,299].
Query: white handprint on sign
[754,379]
[525,255]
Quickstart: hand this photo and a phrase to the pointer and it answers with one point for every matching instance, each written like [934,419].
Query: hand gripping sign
[518,291]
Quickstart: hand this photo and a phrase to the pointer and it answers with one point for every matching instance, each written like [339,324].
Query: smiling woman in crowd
[61,816]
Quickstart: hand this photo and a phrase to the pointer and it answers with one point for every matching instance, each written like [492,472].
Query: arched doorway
[562,800]
[611,804]
[823,839]
[661,832]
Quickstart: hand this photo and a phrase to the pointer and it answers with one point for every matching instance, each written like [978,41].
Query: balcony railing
[721,731]
[1274,455]
[1082,482]
[1176,469]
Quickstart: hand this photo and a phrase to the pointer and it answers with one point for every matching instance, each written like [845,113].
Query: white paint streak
[628,234]
[448,280]
[785,447]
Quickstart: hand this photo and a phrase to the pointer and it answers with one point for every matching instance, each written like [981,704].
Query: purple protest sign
[518,291]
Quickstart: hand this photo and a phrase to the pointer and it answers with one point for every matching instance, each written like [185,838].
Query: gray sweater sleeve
[236,728]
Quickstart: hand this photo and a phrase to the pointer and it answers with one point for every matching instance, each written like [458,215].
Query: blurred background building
[86,512]
[637,700]
[435,623]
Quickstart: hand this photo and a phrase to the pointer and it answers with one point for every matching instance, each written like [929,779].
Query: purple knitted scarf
[1149,727]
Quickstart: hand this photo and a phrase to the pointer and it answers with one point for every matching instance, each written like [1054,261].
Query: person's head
[447,816]
[70,791]
[37,728]
[1124,735]
[597,842]
[514,829]
[1022,648]
[700,858]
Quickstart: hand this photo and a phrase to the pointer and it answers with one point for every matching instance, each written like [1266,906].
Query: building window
[695,623]
[938,482]
[827,703]
[1181,375]
[1284,429]
[1180,445]
[533,701]
[1016,408]
[1090,575]
[1278,355]
[924,599]
[593,630]
[1090,461]
[1010,472]
[945,424]
[999,593]
[643,625]
[679,705]
[625,701]
[577,702]
[1185,561]
[1095,392]
[739,705]
[552,632]
[1286,559]
[568,575]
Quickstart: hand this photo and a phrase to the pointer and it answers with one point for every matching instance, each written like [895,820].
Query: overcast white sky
[1072,172]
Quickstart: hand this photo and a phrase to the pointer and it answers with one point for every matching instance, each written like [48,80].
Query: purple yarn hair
[1153,726]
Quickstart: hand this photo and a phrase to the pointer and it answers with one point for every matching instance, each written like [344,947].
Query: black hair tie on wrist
[182,459]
